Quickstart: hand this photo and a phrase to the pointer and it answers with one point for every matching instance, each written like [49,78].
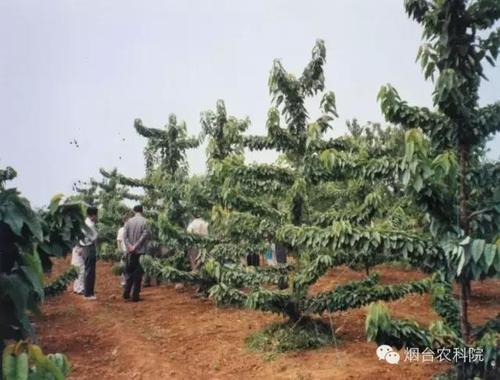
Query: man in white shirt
[122,247]
[120,243]
[198,227]
[89,246]
[79,263]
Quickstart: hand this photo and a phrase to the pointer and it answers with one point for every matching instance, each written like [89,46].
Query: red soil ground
[170,335]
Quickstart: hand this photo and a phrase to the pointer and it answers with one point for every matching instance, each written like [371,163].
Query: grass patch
[402,264]
[118,269]
[289,336]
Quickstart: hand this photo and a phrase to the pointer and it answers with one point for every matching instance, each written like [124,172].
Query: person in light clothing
[120,243]
[122,247]
[269,254]
[89,246]
[198,226]
[79,263]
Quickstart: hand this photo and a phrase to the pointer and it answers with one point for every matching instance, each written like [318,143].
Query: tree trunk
[297,210]
[293,312]
[464,225]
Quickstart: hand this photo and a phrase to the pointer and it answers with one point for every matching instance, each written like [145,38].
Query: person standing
[280,253]
[120,244]
[269,254]
[135,235]
[79,263]
[253,260]
[198,226]
[89,246]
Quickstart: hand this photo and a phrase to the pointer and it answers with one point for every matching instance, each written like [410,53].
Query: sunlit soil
[170,335]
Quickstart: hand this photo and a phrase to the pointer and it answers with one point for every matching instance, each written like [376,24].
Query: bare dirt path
[169,335]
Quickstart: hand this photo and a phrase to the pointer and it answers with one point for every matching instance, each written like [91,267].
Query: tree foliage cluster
[28,241]
[419,190]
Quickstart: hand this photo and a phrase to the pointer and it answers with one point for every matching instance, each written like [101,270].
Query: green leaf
[61,362]
[418,183]
[9,363]
[33,280]
[12,287]
[21,367]
[14,218]
[477,248]
[497,259]
[489,254]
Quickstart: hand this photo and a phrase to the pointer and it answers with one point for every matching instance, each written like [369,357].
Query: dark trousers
[89,275]
[280,253]
[253,260]
[133,277]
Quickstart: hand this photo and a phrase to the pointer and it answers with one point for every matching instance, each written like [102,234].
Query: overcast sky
[85,70]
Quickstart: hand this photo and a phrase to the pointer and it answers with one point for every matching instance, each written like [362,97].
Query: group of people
[275,254]
[133,237]
[132,240]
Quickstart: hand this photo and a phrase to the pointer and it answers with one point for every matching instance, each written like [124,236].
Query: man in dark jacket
[135,236]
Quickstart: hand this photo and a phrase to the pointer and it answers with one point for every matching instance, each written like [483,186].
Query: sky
[85,69]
